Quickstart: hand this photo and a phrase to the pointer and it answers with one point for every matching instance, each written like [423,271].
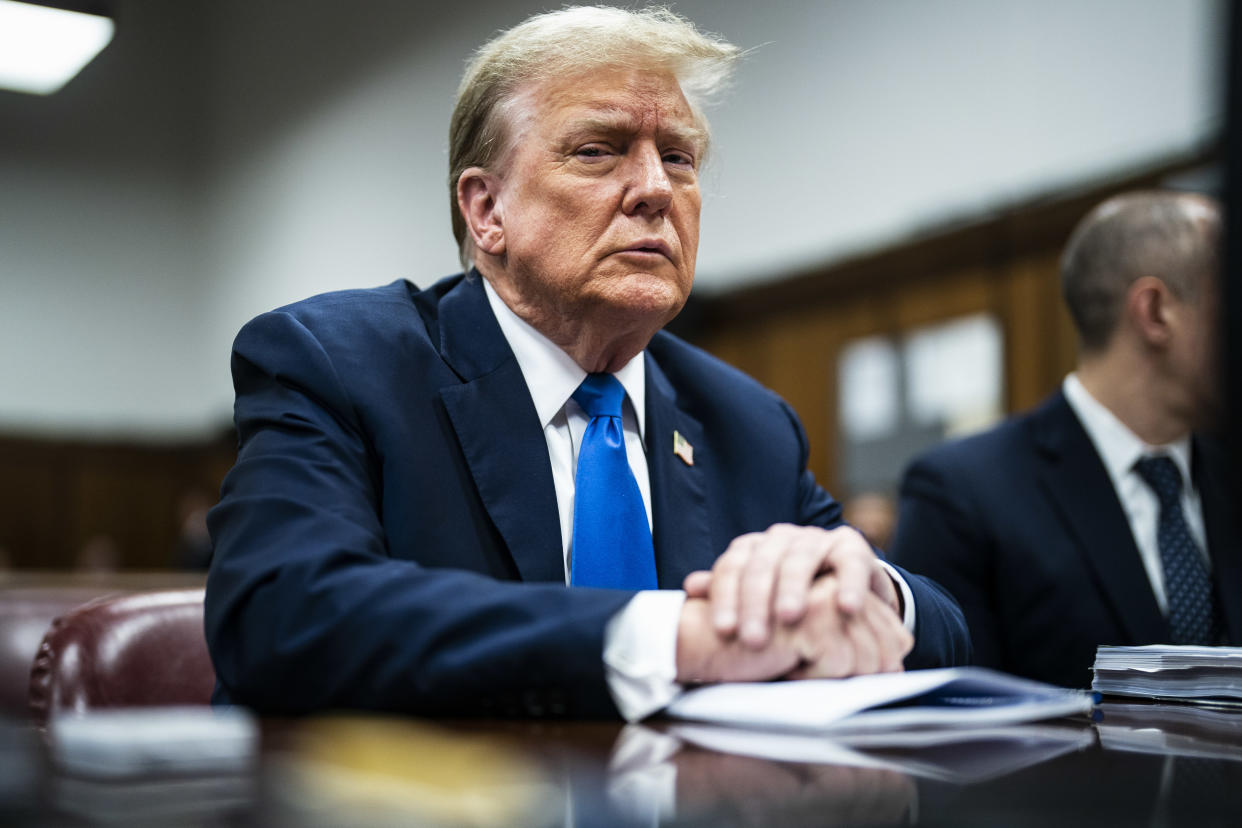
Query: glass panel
[953,374]
[869,389]
[900,396]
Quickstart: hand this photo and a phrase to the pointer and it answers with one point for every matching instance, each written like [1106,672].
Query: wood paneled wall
[789,335]
[56,495]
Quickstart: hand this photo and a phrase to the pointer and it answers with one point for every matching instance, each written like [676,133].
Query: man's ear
[1149,305]
[478,194]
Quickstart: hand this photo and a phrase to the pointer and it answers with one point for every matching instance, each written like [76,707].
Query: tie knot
[600,395]
[1162,475]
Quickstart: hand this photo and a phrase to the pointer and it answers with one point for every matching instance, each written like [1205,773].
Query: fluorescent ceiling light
[41,48]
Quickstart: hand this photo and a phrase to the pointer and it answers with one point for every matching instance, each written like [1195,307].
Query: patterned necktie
[1188,585]
[612,542]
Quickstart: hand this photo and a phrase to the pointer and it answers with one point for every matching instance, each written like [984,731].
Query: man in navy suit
[400,525]
[1051,530]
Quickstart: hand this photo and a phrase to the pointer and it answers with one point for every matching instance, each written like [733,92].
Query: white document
[124,742]
[955,697]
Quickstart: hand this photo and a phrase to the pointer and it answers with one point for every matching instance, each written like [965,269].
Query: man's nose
[648,189]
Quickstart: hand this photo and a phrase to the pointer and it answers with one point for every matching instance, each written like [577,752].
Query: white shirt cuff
[907,597]
[640,653]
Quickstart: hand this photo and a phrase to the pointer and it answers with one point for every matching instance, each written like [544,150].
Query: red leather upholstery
[25,614]
[128,651]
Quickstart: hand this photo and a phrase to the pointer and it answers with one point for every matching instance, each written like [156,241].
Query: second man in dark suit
[1101,516]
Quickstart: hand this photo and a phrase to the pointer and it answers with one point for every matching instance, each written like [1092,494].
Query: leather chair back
[135,650]
[25,614]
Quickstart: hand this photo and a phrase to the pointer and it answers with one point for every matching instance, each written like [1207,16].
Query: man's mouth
[651,246]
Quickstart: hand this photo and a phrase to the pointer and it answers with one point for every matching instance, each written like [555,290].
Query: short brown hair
[1148,233]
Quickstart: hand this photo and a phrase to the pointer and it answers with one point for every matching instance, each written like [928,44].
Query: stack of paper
[1167,672]
[154,765]
[129,742]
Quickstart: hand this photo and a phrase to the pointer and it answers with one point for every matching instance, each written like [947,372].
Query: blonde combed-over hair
[566,42]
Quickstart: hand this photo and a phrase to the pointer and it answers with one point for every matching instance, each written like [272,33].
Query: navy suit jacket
[1022,524]
[389,537]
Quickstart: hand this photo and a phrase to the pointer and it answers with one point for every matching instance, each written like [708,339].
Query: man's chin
[648,311]
[650,297]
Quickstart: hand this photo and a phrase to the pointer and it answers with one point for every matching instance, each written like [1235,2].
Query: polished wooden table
[1138,765]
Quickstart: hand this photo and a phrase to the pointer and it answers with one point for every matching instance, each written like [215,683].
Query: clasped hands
[791,602]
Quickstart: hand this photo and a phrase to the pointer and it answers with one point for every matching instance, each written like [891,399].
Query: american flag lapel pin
[683,449]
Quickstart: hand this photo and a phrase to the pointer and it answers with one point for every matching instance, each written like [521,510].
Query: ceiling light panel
[41,48]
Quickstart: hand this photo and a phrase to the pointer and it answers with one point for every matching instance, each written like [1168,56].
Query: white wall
[329,150]
[100,282]
[312,157]
[860,121]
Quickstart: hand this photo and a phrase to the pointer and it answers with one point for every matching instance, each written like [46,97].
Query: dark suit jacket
[393,487]
[1023,526]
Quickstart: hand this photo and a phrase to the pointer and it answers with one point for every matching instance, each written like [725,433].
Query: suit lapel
[1223,541]
[1079,486]
[499,432]
[681,532]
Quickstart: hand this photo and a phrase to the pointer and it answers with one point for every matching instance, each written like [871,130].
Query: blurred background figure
[874,514]
[98,556]
[193,549]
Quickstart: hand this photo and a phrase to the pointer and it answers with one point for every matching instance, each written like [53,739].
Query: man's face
[599,199]
[1195,345]
[1195,356]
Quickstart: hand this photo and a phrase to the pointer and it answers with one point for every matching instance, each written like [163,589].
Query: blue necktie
[612,542]
[1187,584]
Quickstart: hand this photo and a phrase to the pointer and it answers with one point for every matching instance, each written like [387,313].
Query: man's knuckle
[731,561]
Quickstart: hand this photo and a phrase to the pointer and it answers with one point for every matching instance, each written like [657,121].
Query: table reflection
[742,790]
[656,775]
[1150,765]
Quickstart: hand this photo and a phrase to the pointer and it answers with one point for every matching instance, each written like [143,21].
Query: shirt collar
[551,375]
[1118,446]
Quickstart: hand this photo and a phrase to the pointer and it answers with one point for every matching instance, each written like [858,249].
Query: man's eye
[681,159]
[593,151]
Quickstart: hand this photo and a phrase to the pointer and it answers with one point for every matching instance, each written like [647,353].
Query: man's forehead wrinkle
[604,119]
[613,119]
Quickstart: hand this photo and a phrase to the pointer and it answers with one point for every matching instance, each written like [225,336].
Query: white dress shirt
[1120,448]
[640,642]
